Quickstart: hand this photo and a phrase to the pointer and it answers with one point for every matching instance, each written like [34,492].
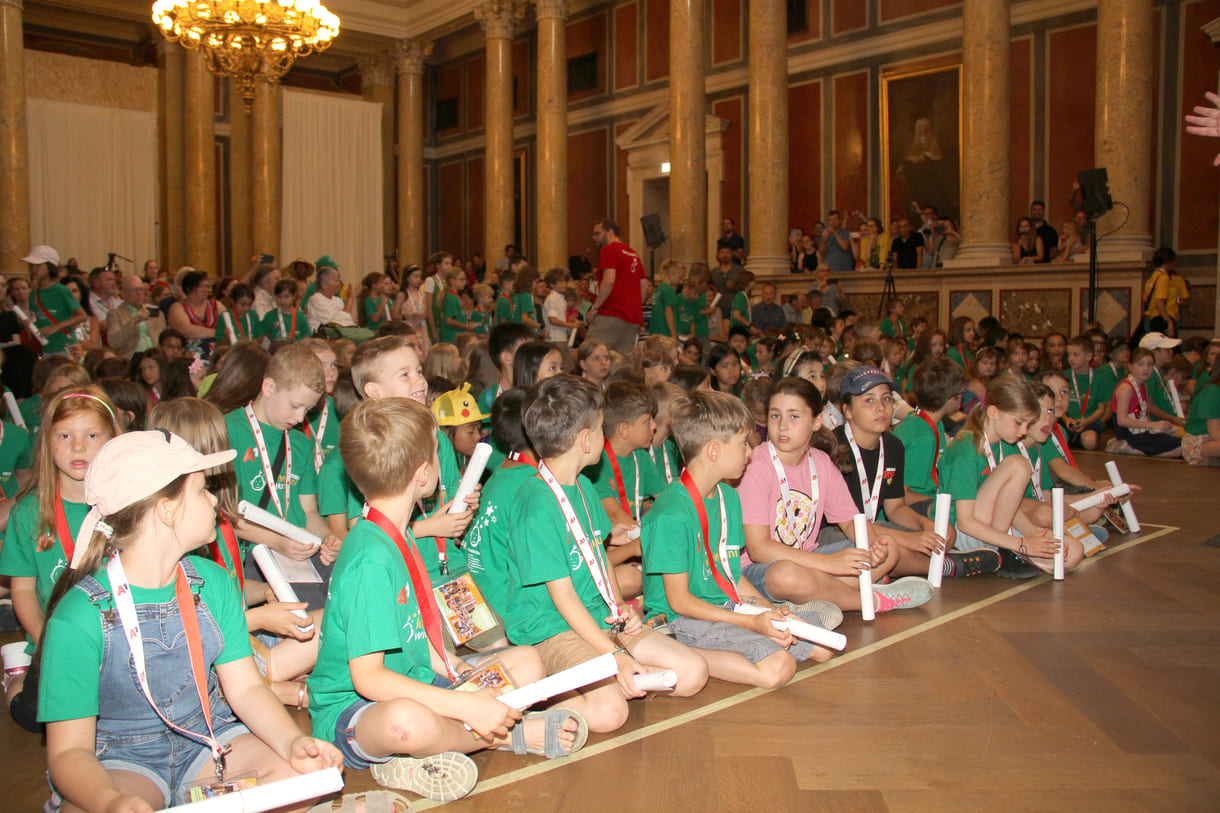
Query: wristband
[620,651]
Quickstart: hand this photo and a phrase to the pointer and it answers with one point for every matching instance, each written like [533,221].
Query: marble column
[1123,111]
[498,18]
[412,231]
[14,154]
[687,126]
[985,134]
[199,165]
[377,85]
[172,253]
[265,169]
[768,138]
[552,171]
[241,233]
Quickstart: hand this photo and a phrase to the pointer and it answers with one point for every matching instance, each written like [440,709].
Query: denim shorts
[725,637]
[830,540]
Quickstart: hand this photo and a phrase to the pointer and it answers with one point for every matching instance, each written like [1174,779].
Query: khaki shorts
[567,649]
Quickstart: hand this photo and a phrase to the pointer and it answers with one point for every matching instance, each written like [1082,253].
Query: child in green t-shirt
[384,683]
[237,324]
[692,543]
[321,426]
[1086,407]
[481,315]
[1201,445]
[52,306]
[663,451]
[286,322]
[564,597]
[937,384]
[666,300]
[893,325]
[453,316]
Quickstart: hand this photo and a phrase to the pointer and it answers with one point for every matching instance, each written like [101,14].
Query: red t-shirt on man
[624,301]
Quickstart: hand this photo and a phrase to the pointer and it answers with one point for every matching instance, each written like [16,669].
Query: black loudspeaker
[1095,191]
[653,235]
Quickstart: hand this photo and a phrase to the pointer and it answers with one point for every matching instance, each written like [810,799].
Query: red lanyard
[1084,402]
[61,528]
[38,302]
[293,333]
[230,540]
[936,453]
[523,457]
[209,314]
[235,323]
[619,484]
[424,598]
[961,351]
[442,543]
[722,579]
[1061,444]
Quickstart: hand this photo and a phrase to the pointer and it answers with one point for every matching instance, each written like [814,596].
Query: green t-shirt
[1203,407]
[375,311]
[480,323]
[245,329]
[57,302]
[486,540]
[337,494]
[31,413]
[330,436]
[637,470]
[1158,393]
[893,327]
[452,309]
[1105,380]
[75,645]
[1083,392]
[922,452]
[665,297]
[14,455]
[251,482]
[429,549]
[667,461]
[672,539]
[542,549]
[371,608]
[955,354]
[962,470]
[277,325]
[504,308]
[19,555]
[741,304]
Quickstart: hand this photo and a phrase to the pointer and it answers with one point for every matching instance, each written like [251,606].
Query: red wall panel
[449,86]
[626,46]
[892,9]
[813,15]
[656,39]
[474,209]
[848,15]
[732,189]
[584,36]
[1020,126]
[805,155]
[452,231]
[851,143]
[727,31]
[588,186]
[622,203]
[1071,89]
[1198,184]
[474,93]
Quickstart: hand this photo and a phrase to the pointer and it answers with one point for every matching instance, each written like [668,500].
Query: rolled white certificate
[14,412]
[276,580]
[1057,529]
[940,520]
[272,796]
[715,301]
[1176,397]
[470,478]
[1093,500]
[33,328]
[591,671]
[572,337]
[867,608]
[273,523]
[799,628]
[1128,509]
[662,681]
[229,327]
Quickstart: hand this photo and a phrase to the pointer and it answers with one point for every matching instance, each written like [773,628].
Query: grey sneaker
[1116,446]
[829,614]
[907,592]
[443,777]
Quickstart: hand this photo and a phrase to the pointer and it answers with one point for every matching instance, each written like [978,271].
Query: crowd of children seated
[674,510]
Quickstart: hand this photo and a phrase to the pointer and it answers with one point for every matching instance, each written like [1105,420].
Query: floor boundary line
[588,752]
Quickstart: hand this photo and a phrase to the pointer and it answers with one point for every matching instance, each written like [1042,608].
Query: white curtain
[93,181]
[332,182]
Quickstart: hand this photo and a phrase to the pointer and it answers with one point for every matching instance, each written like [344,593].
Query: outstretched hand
[1206,121]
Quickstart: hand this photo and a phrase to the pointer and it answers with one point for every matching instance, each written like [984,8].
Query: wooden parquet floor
[1099,693]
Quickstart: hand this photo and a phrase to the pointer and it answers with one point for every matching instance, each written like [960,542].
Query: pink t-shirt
[762,502]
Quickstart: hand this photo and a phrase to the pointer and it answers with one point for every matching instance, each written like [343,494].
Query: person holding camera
[133,326]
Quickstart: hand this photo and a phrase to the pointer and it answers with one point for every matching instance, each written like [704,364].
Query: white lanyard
[722,546]
[652,452]
[1141,395]
[871,499]
[279,314]
[1062,451]
[317,440]
[1035,476]
[229,327]
[598,569]
[990,455]
[263,457]
[789,508]
[130,621]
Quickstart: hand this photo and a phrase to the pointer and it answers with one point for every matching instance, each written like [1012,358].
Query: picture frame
[921,138]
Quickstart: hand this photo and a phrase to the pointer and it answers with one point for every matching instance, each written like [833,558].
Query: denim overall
[130,735]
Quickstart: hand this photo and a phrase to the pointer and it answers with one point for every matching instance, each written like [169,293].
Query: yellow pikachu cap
[457,407]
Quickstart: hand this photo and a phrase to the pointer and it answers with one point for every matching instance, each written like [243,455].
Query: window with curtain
[332,182]
[93,181]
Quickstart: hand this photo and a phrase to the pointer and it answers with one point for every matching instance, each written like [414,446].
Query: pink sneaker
[903,594]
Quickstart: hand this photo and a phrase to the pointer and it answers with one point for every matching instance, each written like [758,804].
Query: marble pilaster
[688,190]
[265,169]
[552,169]
[199,164]
[498,18]
[241,230]
[768,138]
[985,134]
[14,155]
[412,231]
[377,85]
[170,76]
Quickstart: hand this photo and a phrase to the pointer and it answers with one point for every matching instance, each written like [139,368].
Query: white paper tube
[14,412]
[273,523]
[799,628]
[276,580]
[591,671]
[940,526]
[32,327]
[1133,524]
[272,796]
[229,327]
[1176,397]
[662,681]
[1094,500]
[867,608]
[571,337]
[1057,529]
[715,301]
[470,478]
[633,532]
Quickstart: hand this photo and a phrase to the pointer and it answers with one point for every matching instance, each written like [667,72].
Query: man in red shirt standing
[618,311]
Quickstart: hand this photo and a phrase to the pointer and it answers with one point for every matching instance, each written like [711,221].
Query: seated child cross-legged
[692,547]
[564,598]
[383,685]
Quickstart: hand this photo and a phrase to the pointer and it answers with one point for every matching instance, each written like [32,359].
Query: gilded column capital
[17,4]
[410,55]
[377,69]
[551,8]
[498,17]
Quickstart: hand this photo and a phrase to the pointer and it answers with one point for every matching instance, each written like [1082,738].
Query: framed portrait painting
[921,137]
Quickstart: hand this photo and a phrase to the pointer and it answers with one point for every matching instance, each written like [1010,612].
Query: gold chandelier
[248,40]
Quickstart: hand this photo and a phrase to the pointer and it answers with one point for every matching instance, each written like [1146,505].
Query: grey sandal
[554,719]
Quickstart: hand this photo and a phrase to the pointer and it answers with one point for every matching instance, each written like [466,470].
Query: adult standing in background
[102,292]
[835,248]
[1050,237]
[733,240]
[618,311]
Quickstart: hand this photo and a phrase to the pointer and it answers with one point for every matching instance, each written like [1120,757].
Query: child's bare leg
[1039,513]
[1089,440]
[603,706]
[129,783]
[884,569]
[630,580]
[291,658]
[772,671]
[249,753]
[404,726]
[524,664]
[798,584]
[999,497]
[910,562]
[14,689]
[662,652]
